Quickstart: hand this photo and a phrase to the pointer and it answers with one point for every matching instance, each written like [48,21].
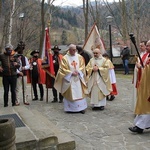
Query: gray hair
[148,42]
[72,46]
[8,46]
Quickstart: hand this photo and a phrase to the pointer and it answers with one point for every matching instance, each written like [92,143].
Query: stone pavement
[96,130]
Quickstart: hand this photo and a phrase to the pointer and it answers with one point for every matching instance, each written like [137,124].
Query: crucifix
[74,64]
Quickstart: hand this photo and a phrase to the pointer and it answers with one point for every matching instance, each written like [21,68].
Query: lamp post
[109,21]
[21,17]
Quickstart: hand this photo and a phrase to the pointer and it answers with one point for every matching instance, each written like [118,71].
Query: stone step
[36,134]
[40,133]
[65,142]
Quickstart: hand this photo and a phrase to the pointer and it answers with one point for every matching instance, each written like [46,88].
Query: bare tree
[11,21]
[95,12]
[134,17]
[86,12]
[124,20]
[5,22]
[0,7]
[11,29]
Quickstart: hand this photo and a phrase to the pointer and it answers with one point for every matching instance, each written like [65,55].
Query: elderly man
[142,109]
[70,81]
[99,85]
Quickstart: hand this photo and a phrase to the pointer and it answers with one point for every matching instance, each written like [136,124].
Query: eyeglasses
[95,53]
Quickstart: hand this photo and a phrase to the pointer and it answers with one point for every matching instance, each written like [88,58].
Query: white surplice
[112,76]
[142,121]
[79,103]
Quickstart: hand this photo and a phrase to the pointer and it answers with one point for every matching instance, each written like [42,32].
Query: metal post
[110,41]
[21,17]
[109,21]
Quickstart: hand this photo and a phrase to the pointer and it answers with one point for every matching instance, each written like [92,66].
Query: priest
[70,81]
[99,85]
[142,109]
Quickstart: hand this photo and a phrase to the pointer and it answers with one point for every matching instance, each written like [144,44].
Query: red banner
[47,53]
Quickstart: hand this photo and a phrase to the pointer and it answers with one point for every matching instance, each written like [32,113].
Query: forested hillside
[67,24]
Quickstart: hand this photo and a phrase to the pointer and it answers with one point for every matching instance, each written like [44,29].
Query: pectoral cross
[74,64]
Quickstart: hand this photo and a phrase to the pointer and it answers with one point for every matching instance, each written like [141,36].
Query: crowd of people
[70,81]
[78,75]
[17,71]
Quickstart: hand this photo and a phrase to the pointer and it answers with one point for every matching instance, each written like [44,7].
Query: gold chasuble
[110,64]
[73,88]
[143,93]
[99,80]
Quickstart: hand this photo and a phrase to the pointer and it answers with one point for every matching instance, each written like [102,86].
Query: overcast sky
[73,2]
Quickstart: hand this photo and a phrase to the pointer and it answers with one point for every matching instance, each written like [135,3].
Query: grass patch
[119,75]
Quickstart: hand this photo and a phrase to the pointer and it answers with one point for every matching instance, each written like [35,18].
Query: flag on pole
[94,41]
[47,54]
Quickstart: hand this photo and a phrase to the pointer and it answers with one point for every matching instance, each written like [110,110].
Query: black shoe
[112,97]
[5,105]
[107,97]
[54,100]
[136,129]
[95,108]
[82,112]
[13,104]
[35,99]
[41,99]
[60,100]
[101,108]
